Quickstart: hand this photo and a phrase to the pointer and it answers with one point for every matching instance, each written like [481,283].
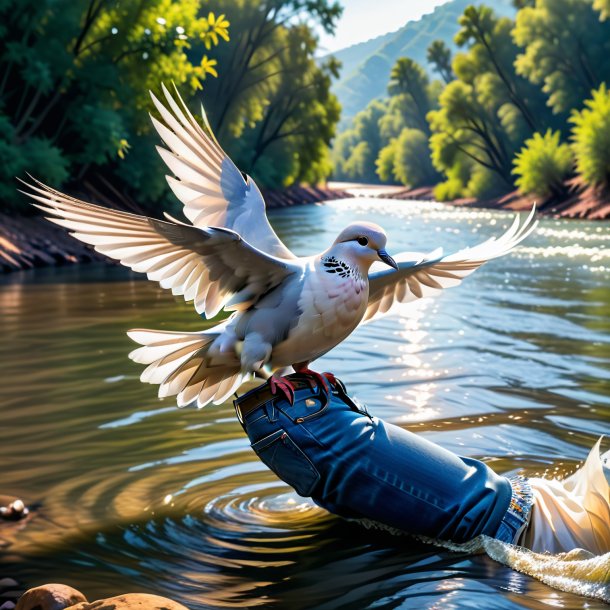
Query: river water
[511,367]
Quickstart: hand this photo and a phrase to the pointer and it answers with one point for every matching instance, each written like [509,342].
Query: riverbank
[31,241]
[581,202]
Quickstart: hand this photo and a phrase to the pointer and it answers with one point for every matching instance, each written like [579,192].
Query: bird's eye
[363,241]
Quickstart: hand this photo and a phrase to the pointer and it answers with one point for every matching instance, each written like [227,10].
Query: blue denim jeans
[358,466]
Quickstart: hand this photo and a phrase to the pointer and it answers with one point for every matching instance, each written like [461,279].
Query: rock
[14,511]
[50,597]
[130,601]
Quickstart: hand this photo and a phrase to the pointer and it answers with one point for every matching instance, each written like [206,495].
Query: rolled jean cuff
[517,517]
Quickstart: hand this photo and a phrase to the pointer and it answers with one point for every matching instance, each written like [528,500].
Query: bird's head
[361,244]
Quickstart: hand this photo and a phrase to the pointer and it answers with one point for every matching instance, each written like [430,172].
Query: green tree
[74,86]
[466,126]
[408,156]
[591,138]
[409,79]
[271,106]
[492,50]
[543,164]
[252,62]
[565,50]
[356,149]
[291,142]
[439,55]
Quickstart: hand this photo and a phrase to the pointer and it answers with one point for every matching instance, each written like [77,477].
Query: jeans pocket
[279,453]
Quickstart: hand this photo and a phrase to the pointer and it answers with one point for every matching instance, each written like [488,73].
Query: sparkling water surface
[512,367]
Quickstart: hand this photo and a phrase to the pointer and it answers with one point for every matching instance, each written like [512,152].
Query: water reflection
[511,367]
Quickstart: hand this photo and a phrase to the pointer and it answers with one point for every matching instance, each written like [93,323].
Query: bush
[542,165]
[385,162]
[591,138]
[412,161]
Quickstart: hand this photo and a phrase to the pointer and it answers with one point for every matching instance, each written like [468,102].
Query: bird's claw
[324,379]
[283,385]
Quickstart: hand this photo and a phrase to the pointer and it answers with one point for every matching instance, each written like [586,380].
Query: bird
[283,311]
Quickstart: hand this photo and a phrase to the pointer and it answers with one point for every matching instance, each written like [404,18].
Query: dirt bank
[32,241]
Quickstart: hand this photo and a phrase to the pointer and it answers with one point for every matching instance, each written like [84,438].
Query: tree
[411,163]
[408,78]
[251,62]
[565,50]
[591,138]
[466,126]
[492,50]
[543,164]
[291,142]
[74,86]
[271,107]
[439,55]
[356,149]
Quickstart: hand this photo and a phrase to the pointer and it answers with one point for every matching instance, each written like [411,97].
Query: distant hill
[367,65]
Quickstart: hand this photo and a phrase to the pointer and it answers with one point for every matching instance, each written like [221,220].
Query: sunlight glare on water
[511,367]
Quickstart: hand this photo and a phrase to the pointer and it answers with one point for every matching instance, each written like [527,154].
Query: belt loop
[272,414]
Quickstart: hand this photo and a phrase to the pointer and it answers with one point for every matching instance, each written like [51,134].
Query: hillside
[367,65]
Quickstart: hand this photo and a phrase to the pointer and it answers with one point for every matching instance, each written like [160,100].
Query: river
[511,367]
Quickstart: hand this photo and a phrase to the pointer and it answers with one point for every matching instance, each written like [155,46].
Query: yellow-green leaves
[543,164]
[591,138]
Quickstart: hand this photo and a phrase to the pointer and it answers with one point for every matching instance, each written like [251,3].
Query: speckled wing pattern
[213,266]
[421,275]
[214,192]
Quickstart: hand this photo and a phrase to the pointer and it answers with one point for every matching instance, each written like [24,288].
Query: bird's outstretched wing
[214,192]
[421,275]
[213,266]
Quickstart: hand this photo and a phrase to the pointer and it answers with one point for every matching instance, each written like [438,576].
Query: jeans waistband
[519,511]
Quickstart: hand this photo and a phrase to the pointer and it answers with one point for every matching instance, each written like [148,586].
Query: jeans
[357,466]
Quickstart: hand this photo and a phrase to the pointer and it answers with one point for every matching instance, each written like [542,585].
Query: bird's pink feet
[316,378]
[283,385]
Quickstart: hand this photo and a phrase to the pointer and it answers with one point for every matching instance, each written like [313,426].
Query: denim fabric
[360,467]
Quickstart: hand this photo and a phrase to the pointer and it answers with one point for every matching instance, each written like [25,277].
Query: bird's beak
[387,259]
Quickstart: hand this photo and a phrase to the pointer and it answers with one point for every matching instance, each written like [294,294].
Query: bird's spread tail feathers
[186,366]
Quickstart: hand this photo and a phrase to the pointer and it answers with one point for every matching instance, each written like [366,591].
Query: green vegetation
[591,138]
[543,164]
[522,104]
[271,105]
[75,77]
[367,66]
[74,86]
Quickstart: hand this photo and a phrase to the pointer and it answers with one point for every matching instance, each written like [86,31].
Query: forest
[522,104]
[75,76]
[511,103]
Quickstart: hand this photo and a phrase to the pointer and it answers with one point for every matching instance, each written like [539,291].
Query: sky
[365,19]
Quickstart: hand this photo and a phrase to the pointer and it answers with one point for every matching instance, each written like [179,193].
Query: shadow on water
[512,367]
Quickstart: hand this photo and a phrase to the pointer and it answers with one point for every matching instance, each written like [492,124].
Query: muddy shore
[31,241]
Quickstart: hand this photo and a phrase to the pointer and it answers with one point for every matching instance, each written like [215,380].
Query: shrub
[591,138]
[412,161]
[542,165]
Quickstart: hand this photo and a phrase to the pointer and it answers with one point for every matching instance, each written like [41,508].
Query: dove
[283,310]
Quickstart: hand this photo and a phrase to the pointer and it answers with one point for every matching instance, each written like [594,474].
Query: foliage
[367,66]
[603,6]
[591,138]
[355,150]
[439,56]
[565,49]
[74,83]
[271,106]
[406,159]
[543,164]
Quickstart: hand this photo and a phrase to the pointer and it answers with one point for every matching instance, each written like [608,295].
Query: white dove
[287,311]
